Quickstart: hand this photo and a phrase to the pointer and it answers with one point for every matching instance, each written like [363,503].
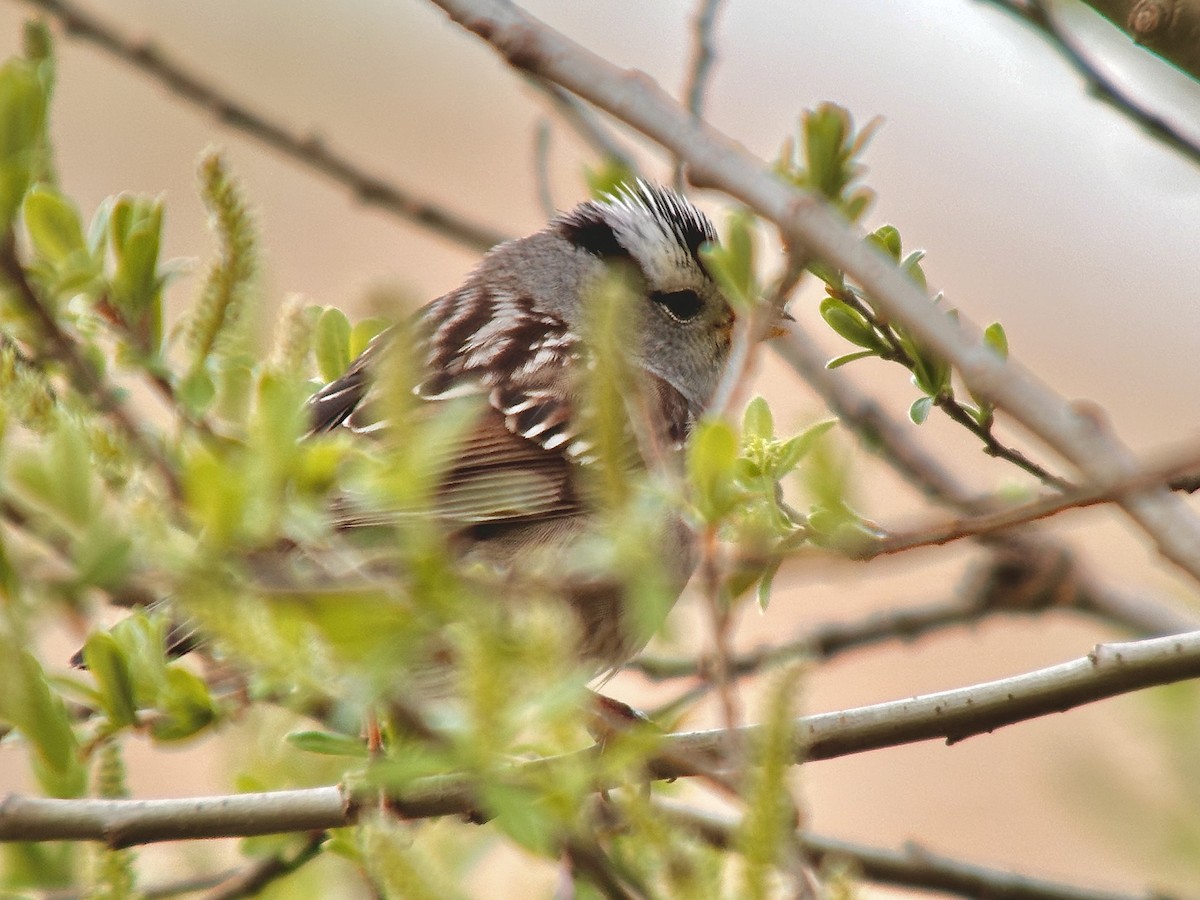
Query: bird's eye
[682,306]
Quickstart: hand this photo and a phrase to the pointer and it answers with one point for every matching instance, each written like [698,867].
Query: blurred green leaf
[185,704]
[108,665]
[332,344]
[102,555]
[328,744]
[712,454]
[196,392]
[731,262]
[27,703]
[796,448]
[887,239]
[54,225]
[135,287]
[22,119]
[911,266]
[364,331]
[520,815]
[833,278]
[995,338]
[757,420]
[608,177]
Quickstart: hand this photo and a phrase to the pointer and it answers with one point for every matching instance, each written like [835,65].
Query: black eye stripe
[683,306]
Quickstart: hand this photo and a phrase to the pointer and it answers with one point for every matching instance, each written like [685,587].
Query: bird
[513,493]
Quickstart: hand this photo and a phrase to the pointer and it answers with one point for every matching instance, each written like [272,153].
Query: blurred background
[1038,206]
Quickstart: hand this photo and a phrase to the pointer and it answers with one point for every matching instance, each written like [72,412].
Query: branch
[911,867]
[255,878]
[1168,27]
[704,53]
[716,160]
[308,150]
[1003,519]
[825,641]
[1100,85]
[1108,671]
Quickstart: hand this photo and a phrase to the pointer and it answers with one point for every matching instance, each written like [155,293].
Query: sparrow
[513,493]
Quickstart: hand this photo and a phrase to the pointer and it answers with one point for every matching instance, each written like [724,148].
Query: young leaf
[109,666]
[849,323]
[839,361]
[332,344]
[995,338]
[53,222]
[919,411]
[328,744]
[757,420]
[887,239]
[712,455]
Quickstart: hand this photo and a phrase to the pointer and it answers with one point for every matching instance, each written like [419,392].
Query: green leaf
[798,447]
[849,323]
[98,227]
[332,346]
[186,705]
[763,594]
[22,109]
[839,361]
[520,816]
[712,456]
[757,420]
[196,392]
[919,411]
[887,239]
[22,120]
[328,744]
[364,331]
[608,177]
[28,704]
[731,263]
[995,338]
[54,225]
[102,555]
[911,266]
[135,229]
[215,495]
[109,666]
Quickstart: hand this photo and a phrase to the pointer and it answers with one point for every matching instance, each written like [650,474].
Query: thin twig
[897,352]
[913,866]
[824,642]
[252,880]
[994,447]
[1036,14]
[1024,514]
[954,715]
[308,150]
[704,53]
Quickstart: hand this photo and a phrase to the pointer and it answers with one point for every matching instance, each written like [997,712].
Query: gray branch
[1109,670]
